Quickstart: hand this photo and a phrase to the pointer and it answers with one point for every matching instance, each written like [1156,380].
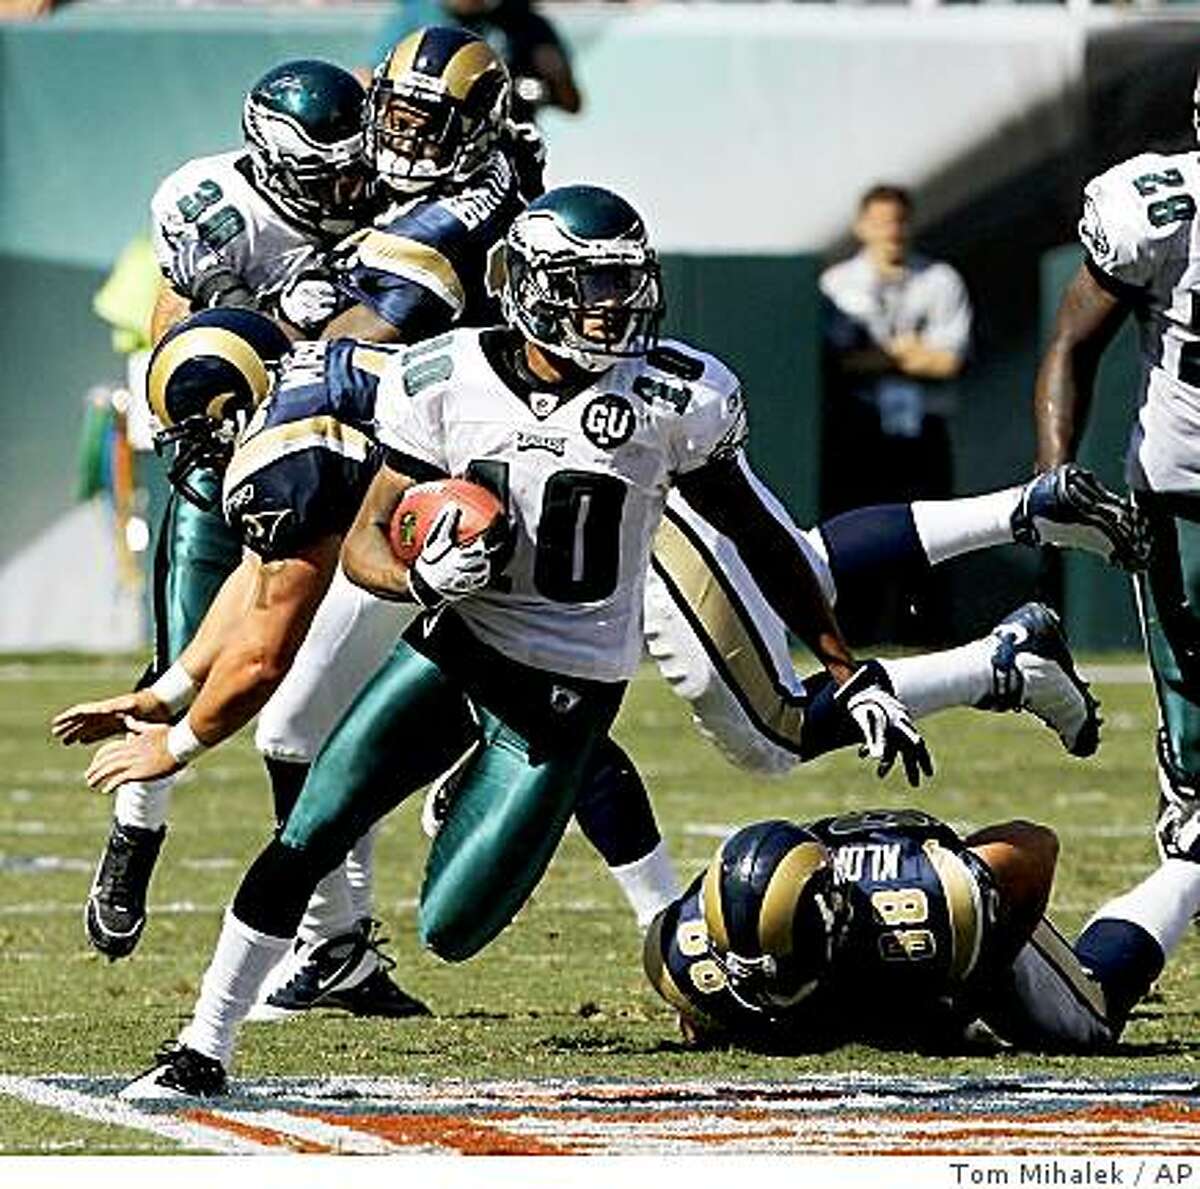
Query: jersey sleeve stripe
[414,261]
[309,433]
[725,629]
[963,907]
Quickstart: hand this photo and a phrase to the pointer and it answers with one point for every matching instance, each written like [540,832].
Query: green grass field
[561,992]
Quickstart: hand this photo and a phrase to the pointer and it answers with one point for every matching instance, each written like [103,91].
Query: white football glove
[887,727]
[308,301]
[445,571]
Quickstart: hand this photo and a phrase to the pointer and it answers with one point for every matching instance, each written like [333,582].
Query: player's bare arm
[89,722]
[169,307]
[276,610]
[1022,857]
[362,322]
[1088,318]
[722,496]
[367,556]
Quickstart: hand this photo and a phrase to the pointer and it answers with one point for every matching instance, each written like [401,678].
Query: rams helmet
[772,913]
[580,279]
[438,103]
[303,124]
[206,377]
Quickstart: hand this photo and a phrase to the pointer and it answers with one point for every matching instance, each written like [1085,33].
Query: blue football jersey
[918,940]
[305,461]
[423,266]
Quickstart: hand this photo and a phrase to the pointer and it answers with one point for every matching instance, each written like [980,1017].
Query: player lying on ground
[886,927]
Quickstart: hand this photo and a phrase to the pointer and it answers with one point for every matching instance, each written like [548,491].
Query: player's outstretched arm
[89,722]
[1088,317]
[723,495]
[275,615]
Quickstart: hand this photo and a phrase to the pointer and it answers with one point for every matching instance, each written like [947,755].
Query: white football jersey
[1139,227]
[208,214]
[586,481]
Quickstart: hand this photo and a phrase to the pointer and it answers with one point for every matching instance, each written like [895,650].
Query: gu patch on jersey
[816,1115]
[608,421]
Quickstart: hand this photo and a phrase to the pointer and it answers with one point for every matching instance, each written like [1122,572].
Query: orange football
[419,508]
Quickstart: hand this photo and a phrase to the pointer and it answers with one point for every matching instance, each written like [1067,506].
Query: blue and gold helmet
[580,279]
[772,913]
[206,377]
[438,103]
[303,124]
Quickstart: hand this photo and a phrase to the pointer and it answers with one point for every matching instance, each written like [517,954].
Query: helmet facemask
[593,304]
[199,443]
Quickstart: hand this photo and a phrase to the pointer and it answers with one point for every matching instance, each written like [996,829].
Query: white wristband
[175,689]
[182,742]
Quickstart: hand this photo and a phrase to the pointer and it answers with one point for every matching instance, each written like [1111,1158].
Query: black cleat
[178,1072]
[1069,507]
[115,913]
[348,972]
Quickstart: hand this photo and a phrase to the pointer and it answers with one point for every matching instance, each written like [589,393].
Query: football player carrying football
[886,927]
[1142,257]
[572,416]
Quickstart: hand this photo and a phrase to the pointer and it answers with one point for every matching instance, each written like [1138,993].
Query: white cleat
[1032,670]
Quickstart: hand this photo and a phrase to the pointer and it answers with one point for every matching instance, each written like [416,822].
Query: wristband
[182,743]
[175,689]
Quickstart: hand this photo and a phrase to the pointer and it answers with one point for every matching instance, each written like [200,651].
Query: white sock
[360,867]
[331,911]
[937,680]
[144,803]
[950,527]
[1163,904]
[242,960]
[649,883]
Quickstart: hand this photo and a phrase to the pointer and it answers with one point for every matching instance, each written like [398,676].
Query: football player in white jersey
[231,230]
[1141,239]
[524,644]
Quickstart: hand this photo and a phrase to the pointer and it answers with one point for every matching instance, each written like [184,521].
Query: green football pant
[1169,603]
[196,552]
[536,733]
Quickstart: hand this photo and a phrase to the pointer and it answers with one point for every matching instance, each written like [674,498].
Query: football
[419,508]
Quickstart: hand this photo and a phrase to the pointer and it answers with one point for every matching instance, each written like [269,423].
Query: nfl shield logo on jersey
[608,421]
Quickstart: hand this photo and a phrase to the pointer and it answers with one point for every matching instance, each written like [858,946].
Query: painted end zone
[813,1116]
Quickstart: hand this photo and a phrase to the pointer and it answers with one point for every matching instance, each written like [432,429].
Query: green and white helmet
[580,278]
[303,124]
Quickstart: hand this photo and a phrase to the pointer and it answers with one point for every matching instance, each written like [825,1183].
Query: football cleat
[1032,670]
[348,972]
[1069,507]
[115,913]
[178,1072]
